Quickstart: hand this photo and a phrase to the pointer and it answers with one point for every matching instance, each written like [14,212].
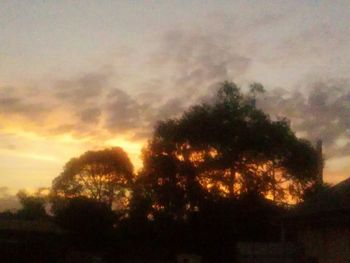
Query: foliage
[104,176]
[316,189]
[33,206]
[7,214]
[85,217]
[213,176]
[224,149]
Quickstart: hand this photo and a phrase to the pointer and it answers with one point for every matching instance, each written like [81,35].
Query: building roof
[335,200]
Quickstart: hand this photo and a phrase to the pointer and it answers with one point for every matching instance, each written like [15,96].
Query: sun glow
[132,148]
[34,156]
[42,155]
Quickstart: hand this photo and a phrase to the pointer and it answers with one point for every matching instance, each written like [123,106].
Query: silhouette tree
[33,206]
[224,149]
[86,218]
[315,190]
[104,176]
[255,88]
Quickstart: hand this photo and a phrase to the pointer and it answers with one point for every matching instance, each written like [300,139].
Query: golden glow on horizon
[58,149]
[132,148]
[67,141]
[37,151]
[32,157]
[129,146]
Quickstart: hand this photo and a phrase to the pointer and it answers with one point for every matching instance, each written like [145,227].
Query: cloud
[194,61]
[318,48]
[83,89]
[320,113]
[185,68]
[14,102]
[90,115]
[122,111]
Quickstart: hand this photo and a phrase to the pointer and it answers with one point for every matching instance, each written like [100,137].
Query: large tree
[224,149]
[104,176]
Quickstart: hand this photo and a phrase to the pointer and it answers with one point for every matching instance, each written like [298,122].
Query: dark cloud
[12,103]
[184,69]
[90,115]
[125,113]
[148,97]
[323,112]
[170,108]
[197,60]
[86,88]
[122,112]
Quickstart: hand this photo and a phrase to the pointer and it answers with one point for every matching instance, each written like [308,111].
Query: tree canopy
[104,176]
[33,206]
[216,174]
[225,149]
[86,217]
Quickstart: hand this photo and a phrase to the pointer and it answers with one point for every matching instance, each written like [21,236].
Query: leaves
[101,175]
[226,148]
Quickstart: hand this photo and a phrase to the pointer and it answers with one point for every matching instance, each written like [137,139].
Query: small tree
[104,176]
[33,206]
[85,218]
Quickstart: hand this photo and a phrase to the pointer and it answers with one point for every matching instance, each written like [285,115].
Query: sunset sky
[79,75]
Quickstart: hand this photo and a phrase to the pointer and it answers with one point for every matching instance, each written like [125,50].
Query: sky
[85,75]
